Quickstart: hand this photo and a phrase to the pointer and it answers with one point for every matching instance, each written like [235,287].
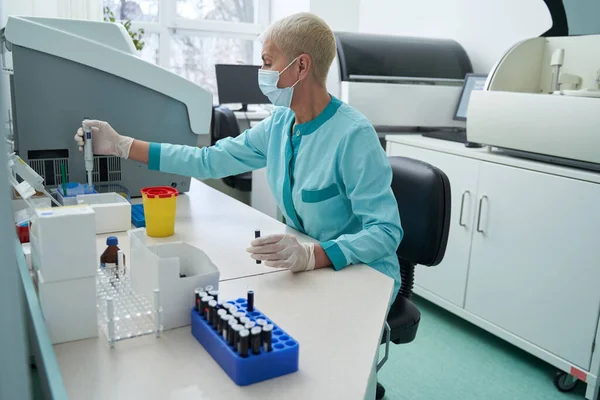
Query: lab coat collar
[309,127]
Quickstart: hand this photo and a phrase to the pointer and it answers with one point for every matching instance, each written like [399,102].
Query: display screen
[472,82]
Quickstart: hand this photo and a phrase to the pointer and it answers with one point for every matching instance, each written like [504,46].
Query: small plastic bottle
[110,259]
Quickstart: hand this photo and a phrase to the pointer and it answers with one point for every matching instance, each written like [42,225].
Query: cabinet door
[448,279]
[534,267]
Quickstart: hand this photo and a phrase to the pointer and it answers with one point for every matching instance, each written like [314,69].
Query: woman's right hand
[105,140]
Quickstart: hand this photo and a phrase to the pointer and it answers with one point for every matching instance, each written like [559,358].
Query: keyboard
[451,135]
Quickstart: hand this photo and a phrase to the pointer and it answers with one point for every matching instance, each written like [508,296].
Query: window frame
[169,23]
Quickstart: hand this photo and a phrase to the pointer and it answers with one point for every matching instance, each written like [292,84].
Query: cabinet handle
[479,214]
[462,207]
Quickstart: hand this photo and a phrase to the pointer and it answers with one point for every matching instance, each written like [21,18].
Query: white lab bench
[522,259]
[337,330]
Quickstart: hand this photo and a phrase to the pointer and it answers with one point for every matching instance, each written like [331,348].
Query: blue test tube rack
[282,360]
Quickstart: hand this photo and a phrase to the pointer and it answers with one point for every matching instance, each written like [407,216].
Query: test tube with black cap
[250,325]
[267,337]
[261,322]
[255,339]
[219,319]
[204,304]
[212,313]
[230,324]
[197,299]
[244,320]
[244,343]
[225,325]
[208,288]
[250,301]
[256,236]
[239,315]
[235,335]
[215,294]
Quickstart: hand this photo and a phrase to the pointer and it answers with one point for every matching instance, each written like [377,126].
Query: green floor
[453,359]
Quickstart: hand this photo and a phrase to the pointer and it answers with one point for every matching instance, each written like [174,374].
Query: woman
[325,165]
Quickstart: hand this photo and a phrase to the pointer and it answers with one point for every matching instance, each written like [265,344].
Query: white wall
[341,15]
[283,8]
[485,28]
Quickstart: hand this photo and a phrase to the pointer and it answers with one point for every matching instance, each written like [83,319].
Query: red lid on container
[161,192]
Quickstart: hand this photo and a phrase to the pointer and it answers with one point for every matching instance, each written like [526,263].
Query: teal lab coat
[329,176]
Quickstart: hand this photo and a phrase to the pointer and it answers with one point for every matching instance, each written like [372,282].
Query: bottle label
[109,265]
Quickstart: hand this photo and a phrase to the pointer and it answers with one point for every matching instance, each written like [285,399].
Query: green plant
[135,36]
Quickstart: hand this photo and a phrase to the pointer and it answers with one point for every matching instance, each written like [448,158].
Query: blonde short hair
[304,33]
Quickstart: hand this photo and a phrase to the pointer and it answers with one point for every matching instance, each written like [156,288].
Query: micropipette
[88,152]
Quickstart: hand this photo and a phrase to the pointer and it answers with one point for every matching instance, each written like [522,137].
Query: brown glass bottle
[110,257]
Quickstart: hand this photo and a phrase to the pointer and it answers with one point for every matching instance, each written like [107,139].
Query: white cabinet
[522,256]
[449,279]
[534,267]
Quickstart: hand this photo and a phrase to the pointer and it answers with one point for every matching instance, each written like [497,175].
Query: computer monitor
[239,84]
[472,82]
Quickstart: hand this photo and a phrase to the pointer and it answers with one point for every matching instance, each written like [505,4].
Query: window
[189,37]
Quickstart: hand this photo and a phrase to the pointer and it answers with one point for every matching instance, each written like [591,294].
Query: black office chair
[423,195]
[224,124]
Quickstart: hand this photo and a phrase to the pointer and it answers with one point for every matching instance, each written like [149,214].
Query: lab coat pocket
[318,195]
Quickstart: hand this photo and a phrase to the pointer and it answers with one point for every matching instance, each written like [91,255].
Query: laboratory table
[336,316]
[218,224]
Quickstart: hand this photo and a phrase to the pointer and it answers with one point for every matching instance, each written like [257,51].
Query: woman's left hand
[283,251]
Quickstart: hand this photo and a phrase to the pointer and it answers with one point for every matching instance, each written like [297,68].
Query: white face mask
[267,81]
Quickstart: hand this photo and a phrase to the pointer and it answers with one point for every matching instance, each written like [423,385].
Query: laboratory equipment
[113,211]
[63,242]
[256,236]
[255,339]
[238,84]
[23,232]
[244,343]
[258,365]
[69,306]
[67,192]
[137,216]
[267,337]
[250,300]
[160,205]
[517,114]
[52,85]
[88,151]
[110,256]
[113,188]
[63,258]
[558,57]
[472,82]
[122,312]
[31,180]
[157,266]
[402,76]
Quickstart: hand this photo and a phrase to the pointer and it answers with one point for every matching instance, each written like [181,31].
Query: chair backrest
[423,195]
[224,124]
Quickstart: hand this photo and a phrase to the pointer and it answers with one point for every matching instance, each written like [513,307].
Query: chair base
[380,391]
[403,318]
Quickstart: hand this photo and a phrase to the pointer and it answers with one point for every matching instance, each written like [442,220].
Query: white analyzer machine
[542,101]
[67,70]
